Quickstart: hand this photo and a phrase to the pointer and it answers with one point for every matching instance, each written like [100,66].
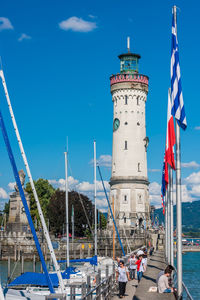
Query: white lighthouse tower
[129,181]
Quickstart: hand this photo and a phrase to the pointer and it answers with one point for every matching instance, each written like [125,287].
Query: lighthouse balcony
[139,78]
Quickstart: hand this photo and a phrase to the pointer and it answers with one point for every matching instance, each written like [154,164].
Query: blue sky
[57,58]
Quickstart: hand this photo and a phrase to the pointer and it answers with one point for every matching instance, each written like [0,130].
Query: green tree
[44,191]
[6,208]
[103,221]
[56,212]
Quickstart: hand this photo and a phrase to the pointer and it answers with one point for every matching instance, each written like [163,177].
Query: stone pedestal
[17,221]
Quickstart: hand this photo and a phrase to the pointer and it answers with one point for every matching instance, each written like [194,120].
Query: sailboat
[33,285]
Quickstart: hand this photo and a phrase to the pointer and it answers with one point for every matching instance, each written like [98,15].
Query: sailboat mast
[72,227]
[46,233]
[95,202]
[66,204]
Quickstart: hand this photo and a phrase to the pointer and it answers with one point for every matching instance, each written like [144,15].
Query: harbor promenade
[141,292]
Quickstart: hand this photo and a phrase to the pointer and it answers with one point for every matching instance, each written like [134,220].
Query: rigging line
[46,233]
[22,195]
[80,198]
[14,269]
[88,221]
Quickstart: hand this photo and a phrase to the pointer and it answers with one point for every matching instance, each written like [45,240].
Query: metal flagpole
[178,201]
[178,212]
[169,222]
[166,226]
[46,233]
[66,208]
[72,227]
[95,202]
[172,217]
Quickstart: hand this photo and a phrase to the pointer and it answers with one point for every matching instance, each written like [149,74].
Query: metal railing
[104,288]
[185,294]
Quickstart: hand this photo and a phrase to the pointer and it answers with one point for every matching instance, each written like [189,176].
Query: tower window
[140,198]
[125,198]
[139,170]
[126,123]
[124,219]
[126,145]
[126,99]
[138,101]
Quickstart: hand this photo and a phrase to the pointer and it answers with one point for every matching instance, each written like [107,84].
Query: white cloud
[185,194]
[155,188]
[87,186]
[11,186]
[193,178]
[5,24]
[100,194]
[24,36]
[155,194]
[197,128]
[102,203]
[192,165]
[77,24]
[195,191]
[3,194]
[104,160]
[92,16]
[60,183]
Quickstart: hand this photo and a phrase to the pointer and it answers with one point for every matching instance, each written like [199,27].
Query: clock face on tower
[116,124]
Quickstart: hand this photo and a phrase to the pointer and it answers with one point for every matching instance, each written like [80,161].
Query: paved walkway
[140,292]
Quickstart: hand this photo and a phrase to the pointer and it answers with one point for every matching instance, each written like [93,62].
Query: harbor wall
[17,244]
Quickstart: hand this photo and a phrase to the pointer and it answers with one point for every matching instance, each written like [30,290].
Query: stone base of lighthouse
[131,203]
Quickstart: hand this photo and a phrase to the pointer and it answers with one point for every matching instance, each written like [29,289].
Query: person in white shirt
[122,276]
[132,266]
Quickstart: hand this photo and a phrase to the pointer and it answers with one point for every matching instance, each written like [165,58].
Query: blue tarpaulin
[39,279]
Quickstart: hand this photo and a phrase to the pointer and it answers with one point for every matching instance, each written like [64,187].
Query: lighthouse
[129,192]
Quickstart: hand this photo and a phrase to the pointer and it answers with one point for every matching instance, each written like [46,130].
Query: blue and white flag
[178,110]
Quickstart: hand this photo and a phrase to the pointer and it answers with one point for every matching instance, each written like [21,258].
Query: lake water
[191,272]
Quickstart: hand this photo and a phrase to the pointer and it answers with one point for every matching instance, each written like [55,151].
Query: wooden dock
[141,291]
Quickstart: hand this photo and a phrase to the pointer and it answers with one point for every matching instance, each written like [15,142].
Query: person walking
[122,276]
[138,263]
[132,266]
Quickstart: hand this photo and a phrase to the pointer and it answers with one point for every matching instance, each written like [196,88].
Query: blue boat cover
[91,260]
[39,279]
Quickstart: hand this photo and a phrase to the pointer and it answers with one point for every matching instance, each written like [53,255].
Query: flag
[170,138]
[165,181]
[178,110]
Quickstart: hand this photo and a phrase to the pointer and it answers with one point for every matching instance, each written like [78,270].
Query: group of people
[137,266]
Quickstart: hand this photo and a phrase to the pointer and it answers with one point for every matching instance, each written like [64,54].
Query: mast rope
[80,198]
[21,192]
[45,230]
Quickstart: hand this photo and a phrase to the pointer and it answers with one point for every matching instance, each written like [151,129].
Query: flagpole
[178,212]
[95,201]
[166,225]
[172,217]
[178,200]
[66,207]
